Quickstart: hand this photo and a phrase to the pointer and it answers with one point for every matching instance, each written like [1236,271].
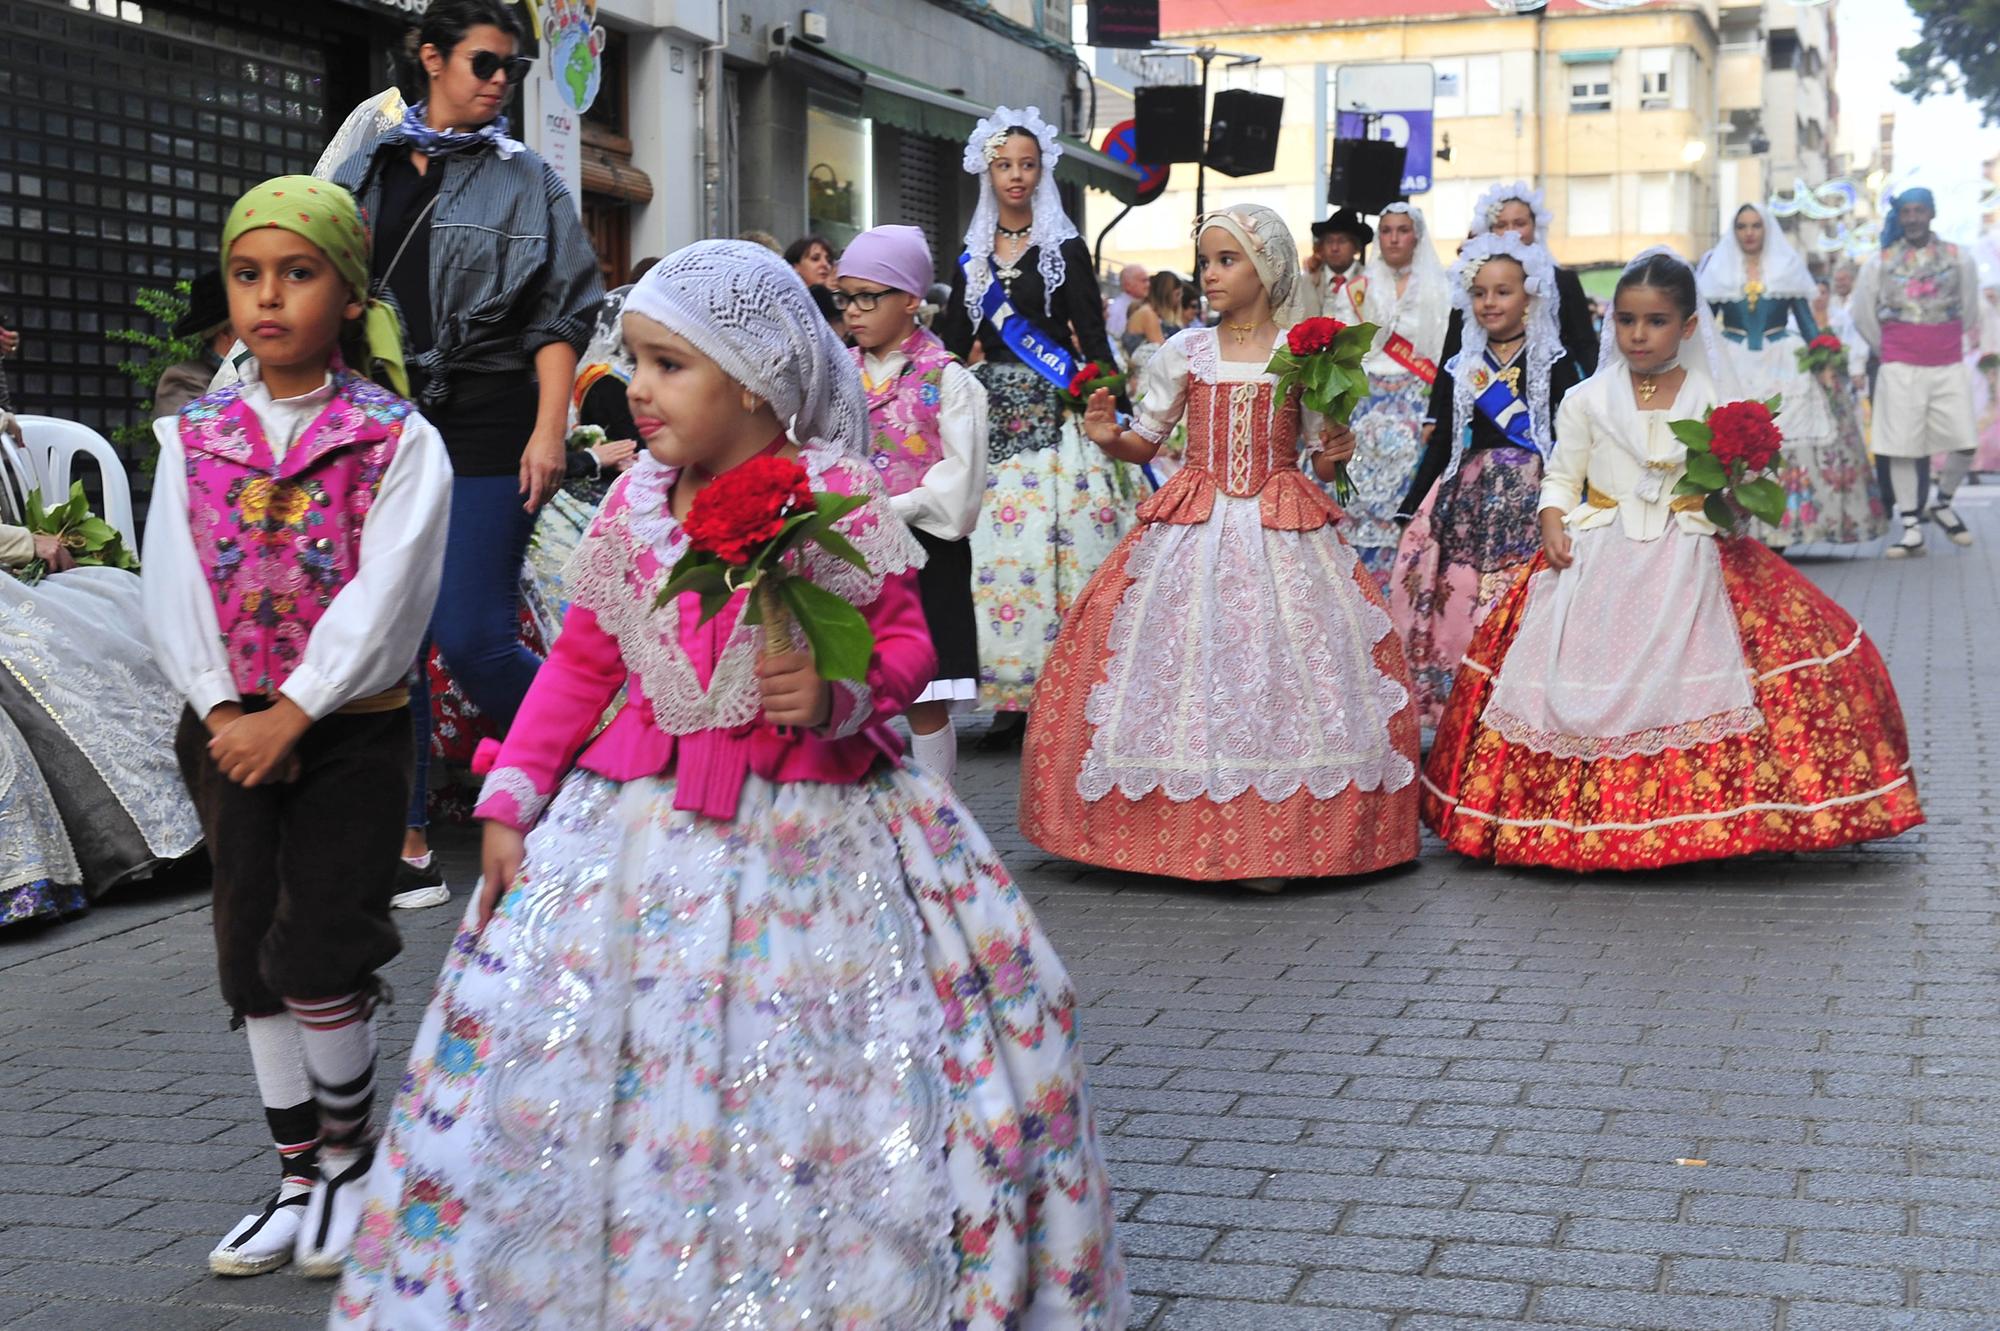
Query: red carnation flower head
[1312,335]
[1744,432]
[1826,342]
[1084,374]
[747,506]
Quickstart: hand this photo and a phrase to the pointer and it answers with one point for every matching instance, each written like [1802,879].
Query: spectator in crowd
[1132,284]
[764,238]
[207,317]
[812,258]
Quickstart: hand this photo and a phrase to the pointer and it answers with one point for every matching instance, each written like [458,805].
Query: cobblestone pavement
[1445,1099]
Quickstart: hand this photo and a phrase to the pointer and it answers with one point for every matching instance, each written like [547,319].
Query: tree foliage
[157,351]
[1957,51]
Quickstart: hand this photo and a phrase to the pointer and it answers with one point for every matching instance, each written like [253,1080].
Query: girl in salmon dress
[1227,699]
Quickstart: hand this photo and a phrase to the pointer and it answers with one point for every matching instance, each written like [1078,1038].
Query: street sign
[1121,145]
[1131,24]
[1391,103]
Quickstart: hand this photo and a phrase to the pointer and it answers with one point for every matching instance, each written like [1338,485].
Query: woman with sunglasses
[478,242]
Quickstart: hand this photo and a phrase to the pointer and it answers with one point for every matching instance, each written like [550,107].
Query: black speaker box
[1243,132]
[1367,175]
[1170,124]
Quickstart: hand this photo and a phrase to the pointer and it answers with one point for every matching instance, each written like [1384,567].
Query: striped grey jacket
[511,267]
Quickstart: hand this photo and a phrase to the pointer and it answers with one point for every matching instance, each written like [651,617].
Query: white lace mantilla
[605,578]
[1242,658]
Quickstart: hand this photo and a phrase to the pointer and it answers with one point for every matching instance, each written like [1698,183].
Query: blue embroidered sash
[1053,361]
[1500,402]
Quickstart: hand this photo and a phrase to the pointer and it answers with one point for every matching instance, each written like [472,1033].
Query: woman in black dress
[1055,506]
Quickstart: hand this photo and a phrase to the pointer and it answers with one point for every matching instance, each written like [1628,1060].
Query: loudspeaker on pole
[1243,132]
[1169,123]
[1367,175]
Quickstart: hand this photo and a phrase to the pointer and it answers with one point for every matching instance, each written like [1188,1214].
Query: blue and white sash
[1500,402]
[1053,361]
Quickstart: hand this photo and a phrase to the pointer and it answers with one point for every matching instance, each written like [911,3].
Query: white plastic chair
[52,448]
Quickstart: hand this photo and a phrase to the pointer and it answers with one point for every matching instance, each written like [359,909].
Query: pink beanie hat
[898,257]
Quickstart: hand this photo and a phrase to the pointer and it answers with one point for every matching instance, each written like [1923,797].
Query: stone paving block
[1634,1311]
[1545,1266]
[1394,1293]
[1223,1280]
[1804,1315]
[1215,1315]
[1462,1223]
[1345,1252]
[1673,1237]
[1713,1275]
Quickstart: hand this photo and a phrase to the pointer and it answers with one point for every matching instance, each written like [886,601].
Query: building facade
[1614,113]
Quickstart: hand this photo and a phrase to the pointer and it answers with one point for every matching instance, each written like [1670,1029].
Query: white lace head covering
[1051,225]
[1703,359]
[1724,269]
[1272,251]
[745,309]
[1487,211]
[1544,345]
[1420,313]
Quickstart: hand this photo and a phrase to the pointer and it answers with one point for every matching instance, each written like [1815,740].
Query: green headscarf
[328,216]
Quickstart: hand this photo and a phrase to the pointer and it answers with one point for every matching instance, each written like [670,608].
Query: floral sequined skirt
[816,1068]
[1827,764]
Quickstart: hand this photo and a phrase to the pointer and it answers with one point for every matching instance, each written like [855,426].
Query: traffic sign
[1121,145]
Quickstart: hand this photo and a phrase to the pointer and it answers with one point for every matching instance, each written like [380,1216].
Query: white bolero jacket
[1613,461]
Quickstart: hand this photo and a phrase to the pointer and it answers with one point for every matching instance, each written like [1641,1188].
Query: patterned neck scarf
[443,142]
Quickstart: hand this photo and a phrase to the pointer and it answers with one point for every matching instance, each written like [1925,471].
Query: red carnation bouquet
[1322,359]
[1089,377]
[1825,352]
[739,530]
[1731,453]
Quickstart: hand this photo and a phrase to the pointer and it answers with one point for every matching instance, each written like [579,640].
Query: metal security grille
[921,202]
[126,132]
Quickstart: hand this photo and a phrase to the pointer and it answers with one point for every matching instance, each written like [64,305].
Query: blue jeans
[477,623]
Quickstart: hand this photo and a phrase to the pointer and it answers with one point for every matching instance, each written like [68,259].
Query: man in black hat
[1334,268]
[207,317]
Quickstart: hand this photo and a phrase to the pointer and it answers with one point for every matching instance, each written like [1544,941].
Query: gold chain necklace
[1646,387]
[1242,332]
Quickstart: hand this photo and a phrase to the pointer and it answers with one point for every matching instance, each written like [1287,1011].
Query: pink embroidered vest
[279,539]
[903,415]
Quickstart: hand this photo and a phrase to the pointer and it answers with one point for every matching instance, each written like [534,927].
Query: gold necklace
[1242,332]
[1646,387]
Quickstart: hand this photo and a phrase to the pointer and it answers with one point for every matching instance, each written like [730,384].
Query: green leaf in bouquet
[1688,485]
[1775,403]
[822,533]
[1282,363]
[1695,436]
[696,572]
[1354,342]
[96,532]
[78,507]
[842,643]
[833,507]
[1705,471]
[1763,497]
[1717,510]
[38,517]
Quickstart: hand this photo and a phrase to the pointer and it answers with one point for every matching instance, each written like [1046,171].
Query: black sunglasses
[864,301]
[485,64]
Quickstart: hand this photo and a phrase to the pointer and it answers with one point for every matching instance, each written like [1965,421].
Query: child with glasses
[927,427]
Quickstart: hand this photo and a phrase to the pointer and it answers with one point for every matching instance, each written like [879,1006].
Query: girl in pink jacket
[749,1016]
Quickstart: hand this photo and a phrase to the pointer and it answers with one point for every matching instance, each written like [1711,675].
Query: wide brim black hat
[1346,222]
[208,305]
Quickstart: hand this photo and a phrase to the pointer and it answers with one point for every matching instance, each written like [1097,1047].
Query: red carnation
[1312,335]
[1082,377]
[1826,342]
[1744,432]
[747,506]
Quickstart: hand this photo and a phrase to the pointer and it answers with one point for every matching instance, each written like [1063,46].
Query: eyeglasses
[865,301]
[485,64]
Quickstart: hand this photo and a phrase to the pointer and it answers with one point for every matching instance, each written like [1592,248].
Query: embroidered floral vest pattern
[279,539]
[903,415]
[1920,284]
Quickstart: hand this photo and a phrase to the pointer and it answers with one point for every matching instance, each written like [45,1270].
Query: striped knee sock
[278,1059]
[339,1044]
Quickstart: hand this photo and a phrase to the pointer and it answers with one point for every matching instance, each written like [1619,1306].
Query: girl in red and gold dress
[1651,692]
[1227,699]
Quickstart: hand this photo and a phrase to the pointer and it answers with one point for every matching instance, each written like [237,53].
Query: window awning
[1601,56]
[919,108]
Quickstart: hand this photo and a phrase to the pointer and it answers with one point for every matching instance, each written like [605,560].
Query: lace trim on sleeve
[509,796]
[883,539]
[860,705]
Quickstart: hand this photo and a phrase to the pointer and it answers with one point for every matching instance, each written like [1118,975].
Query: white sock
[1957,466]
[278,1057]
[1907,477]
[422,861]
[937,751]
[339,1044]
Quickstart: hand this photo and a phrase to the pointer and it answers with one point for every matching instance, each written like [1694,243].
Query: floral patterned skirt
[1828,766]
[1473,536]
[39,874]
[816,1069]
[1388,442]
[1830,490]
[1055,507]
